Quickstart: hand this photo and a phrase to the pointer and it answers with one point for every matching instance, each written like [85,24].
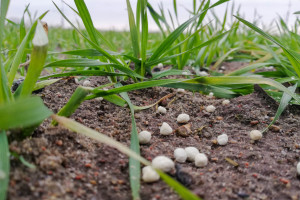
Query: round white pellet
[191,152]
[76,80]
[160,65]
[222,139]
[162,110]
[211,95]
[203,73]
[149,174]
[298,168]
[225,102]
[255,135]
[185,73]
[144,137]
[183,118]
[105,89]
[201,160]
[210,108]
[180,155]
[86,83]
[165,129]
[180,90]
[99,98]
[163,163]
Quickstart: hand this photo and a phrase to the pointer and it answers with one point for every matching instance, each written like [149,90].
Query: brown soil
[70,166]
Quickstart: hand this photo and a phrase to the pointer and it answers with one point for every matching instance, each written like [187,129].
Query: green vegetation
[199,43]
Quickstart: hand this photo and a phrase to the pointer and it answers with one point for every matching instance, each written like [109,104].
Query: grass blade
[89,52]
[22,113]
[38,57]
[134,165]
[284,102]
[78,128]
[133,30]
[4,164]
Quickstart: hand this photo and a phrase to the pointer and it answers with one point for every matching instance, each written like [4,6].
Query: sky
[112,14]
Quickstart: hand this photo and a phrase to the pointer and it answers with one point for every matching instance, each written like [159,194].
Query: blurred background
[112,14]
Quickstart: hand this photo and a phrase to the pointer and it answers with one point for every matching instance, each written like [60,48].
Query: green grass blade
[4,165]
[134,165]
[222,58]
[20,53]
[89,52]
[292,56]
[248,68]
[284,102]
[23,113]
[166,44]
[42,84]
[82,73]
[133,30]
[77,62]
[38,57]
[87,20]
[74,102]
[170,72]
[228,80]
[83,130]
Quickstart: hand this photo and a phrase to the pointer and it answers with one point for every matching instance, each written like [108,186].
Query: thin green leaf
[23,113]
[134,165]
[284,102]
[133,30]
[42,84]
[4,165]
[248,68]
[89,52]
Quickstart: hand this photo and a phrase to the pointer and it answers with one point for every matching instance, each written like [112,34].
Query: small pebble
[160,65]
[191,152]
[210,108]
[180,90]
[180,155]
[86,83]
[149,175]
[255,135]
[144,137]
[222,139]
[225,102]
[162,110]
[183,118]
[201,160]
[165,129]
[163,163]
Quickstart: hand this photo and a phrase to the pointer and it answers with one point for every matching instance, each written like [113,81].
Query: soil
[70,166]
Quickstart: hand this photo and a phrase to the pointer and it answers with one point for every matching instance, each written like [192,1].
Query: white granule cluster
[183,118]
[180,155]
[255,135]
[225,102]
[144,137]
[201,160]
[162,110]
[210,108]
[86,83]
[203,73]
[180,90]
[165,129]
[149,174]
[163,163]
[191,152]
[222,139]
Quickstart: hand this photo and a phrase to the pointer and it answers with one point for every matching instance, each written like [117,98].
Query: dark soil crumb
[70,166]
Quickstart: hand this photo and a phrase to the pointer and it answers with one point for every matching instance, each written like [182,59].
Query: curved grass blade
[83,73]
[222,58]
[89,52]
[228,80]
[133,30]
[134,165]
[23,113]
[42,84]
[80,129]
[248,68]
[293,57]
[84,62]
[284,102]
[4,164]
[170,72]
